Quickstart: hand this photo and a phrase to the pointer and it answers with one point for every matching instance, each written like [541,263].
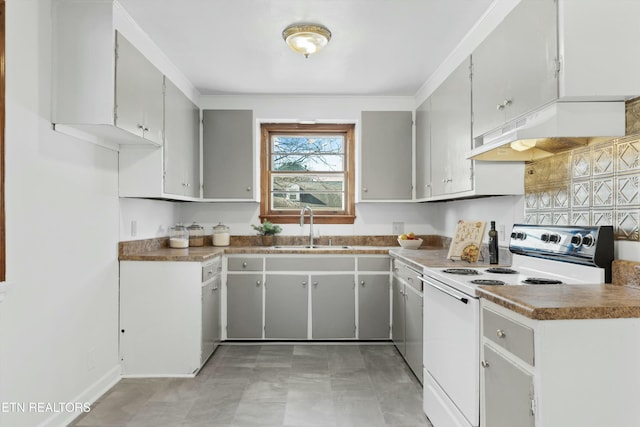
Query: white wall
[146,219]
[59,314]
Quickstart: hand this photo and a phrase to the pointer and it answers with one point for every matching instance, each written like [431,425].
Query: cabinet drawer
[245,264]
[310,263]
[211,268]
[510,335]
[373,264]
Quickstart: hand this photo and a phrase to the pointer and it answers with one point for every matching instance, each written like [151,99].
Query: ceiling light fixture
[306,38]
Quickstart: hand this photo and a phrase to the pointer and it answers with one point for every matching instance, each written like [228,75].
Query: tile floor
[291,385]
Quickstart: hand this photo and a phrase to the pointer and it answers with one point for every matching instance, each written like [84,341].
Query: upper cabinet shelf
[103,86]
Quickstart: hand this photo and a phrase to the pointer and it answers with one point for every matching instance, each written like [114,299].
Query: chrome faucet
[307,208]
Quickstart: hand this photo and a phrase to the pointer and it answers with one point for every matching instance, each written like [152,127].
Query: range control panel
[589,245]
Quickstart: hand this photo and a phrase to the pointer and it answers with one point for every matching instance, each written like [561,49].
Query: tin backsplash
[595,185]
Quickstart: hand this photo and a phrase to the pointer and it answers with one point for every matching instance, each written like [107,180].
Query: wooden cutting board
[467,241]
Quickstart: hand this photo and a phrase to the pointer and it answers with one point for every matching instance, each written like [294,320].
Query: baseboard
[89,395]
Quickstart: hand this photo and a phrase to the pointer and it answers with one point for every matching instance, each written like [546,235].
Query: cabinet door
[228,155]
[286,306]
[514,68]
[373,306]
[244,306]
[398,313]
[508,392]
[181,143]
[139,93]
[413,330]
[208,322]
[386,155]
[451,133]
[333,306]
[215,310]
[423,150]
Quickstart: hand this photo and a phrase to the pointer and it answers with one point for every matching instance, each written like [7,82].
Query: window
[307,165]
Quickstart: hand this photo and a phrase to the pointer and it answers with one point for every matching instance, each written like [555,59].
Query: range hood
[557,127]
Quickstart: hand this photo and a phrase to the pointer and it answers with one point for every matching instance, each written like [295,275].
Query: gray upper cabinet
[386,160]
[373,306]
[423,150]
[450,138]
[286,306]
[515,67]
[139,93]
[181,143]
[104,90]
[228,155]
[333,306]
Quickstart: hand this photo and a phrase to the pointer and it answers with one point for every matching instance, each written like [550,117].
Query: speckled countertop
[550,302]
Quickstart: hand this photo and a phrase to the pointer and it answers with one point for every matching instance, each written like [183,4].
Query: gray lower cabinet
[413,331]
[399,314]
[286,306]
[210,318]
[244,306]
[373,306]
[507,390]
[333,306]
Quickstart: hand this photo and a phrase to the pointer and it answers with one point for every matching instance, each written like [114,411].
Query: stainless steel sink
[307,247]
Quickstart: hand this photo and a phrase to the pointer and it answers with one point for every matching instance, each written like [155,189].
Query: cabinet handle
[484,364]
[248,188]
[258,282]
[304,283]
[244,265]
[365,189]
[140,126]
[362,283]
[500,333]
[315,283]
[504,104]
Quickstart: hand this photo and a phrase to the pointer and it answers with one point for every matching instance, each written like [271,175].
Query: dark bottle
[493,244]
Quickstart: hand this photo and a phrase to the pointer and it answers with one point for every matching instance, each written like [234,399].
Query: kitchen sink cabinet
[286,306]
[443,141]
[172,171]
[541,372]
[244,306]
[407,315]
[169,317]
[333,306]
[104,89]
[386,173]
[229,163]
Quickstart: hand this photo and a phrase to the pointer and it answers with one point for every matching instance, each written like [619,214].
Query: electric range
[541,256]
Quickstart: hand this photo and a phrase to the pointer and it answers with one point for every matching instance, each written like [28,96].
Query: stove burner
[541,281]
[487,282]
[501,270]
[463,271]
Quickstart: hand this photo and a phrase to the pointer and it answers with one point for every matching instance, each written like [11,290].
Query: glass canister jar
[178,237]
[220,235]
[196,235]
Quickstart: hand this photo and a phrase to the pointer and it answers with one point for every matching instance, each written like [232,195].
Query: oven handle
[443,290]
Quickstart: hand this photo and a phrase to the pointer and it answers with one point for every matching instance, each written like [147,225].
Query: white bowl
[410,244]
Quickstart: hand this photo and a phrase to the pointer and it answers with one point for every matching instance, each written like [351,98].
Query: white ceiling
[378,47]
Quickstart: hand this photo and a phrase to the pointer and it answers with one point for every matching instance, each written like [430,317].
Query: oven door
[451,348]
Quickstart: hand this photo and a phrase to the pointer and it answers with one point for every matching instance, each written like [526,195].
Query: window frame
[319,217]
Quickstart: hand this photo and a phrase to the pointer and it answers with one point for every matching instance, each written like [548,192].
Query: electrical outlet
[501,233]
[397,227]
[134,228]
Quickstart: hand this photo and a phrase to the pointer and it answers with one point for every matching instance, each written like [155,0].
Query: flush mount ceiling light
[306,38]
